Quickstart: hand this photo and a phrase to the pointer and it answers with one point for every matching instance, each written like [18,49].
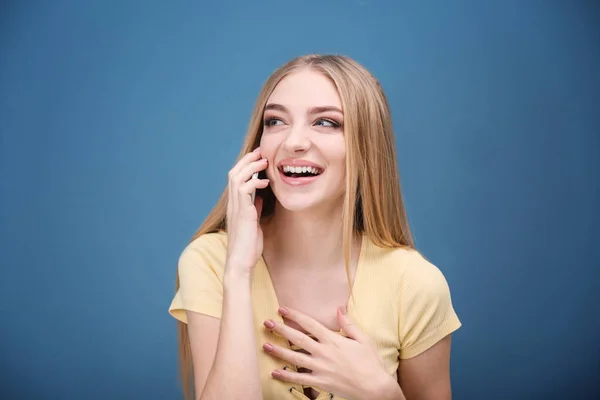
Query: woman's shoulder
[210,240]
[207,247]
[406,264]
[420,285]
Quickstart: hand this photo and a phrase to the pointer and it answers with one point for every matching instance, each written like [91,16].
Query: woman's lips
[298,181]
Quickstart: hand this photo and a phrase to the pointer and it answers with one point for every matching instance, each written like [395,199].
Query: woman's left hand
[349,366]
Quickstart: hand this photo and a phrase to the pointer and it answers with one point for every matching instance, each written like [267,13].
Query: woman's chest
[370,309]
[319,300]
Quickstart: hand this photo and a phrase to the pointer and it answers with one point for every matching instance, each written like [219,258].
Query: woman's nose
[296,141]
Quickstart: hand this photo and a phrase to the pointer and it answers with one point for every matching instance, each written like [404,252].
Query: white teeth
[300,170]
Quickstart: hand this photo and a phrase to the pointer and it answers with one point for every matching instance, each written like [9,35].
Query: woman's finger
[245,160]
[298,338]
[300,378]
[349,327]
[246,172]
[253,184]
[307,323]
[292,357]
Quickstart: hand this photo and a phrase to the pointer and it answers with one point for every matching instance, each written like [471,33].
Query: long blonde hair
[373,202]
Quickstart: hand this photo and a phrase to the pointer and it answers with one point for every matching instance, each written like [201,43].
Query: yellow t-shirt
[401,300]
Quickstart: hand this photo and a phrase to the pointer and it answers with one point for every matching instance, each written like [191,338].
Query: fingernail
[343,310]
[276,374]
[269,324]
[256,150]
[263,160]
[267,347]
[283,311]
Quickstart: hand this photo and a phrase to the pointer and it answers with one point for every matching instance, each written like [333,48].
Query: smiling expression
[303,140]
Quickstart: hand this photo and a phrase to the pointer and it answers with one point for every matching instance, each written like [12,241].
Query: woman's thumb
[258,203]
[347,325]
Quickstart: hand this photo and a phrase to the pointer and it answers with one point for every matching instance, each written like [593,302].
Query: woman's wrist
[385,388]
[236,276]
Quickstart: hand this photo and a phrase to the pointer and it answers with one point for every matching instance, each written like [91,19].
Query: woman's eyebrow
[312,110]
[322,109]
[274,106]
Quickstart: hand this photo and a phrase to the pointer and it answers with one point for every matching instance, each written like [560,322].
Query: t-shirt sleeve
[426,311]
[200,269]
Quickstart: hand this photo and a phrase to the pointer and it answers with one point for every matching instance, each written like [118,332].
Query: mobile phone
[254,176]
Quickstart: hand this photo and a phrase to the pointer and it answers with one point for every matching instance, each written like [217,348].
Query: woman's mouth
[297,175]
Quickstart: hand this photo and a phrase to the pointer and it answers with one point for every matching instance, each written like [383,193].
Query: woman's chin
[298,203]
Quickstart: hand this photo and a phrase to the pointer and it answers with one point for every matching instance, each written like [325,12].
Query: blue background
[119,121]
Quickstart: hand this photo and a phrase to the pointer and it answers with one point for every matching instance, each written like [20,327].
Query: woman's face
[303,141]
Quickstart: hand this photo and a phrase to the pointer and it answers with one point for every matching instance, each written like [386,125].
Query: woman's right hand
[244,234]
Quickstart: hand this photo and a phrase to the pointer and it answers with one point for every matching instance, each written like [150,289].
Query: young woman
[314,290]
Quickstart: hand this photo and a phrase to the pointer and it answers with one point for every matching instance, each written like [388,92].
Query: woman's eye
[328,123]
[272,121]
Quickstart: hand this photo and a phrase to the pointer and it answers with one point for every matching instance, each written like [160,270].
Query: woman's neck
[307,239]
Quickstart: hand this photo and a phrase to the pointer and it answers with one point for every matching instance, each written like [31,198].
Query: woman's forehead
[305,89]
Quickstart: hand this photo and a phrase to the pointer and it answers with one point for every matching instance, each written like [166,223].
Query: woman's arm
[224,353]
[233,371]
[427,376]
